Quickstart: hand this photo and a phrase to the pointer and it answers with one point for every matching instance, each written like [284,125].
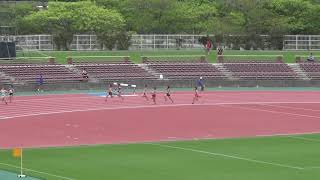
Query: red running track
[69,120]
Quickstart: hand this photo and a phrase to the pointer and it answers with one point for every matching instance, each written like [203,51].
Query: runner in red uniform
[196,95]
[145,92]
[154,95]
[109,92]
[168,94]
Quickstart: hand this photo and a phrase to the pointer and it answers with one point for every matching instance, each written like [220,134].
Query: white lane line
[65,105]
[29,109]
[66,102]
[128,95]
[289,107]
[89,109]
[53,105]
[277,112]
[165,105]
[228,156]
[40,172]
[288,134]
[239,98]
[304,138]
[56,98]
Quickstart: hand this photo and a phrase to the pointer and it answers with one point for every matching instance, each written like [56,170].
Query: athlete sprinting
[11,92]
[109,92]
[168,94]
[144,95]
[196,95]
[119,91]
[3,93]
[154,95]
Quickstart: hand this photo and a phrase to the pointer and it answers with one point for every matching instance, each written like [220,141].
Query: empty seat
[260,71]
[187,69]
[312,69]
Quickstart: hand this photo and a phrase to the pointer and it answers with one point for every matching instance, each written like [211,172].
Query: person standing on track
[3,93]
[200,83]
[196,95]
[168,94]
[109,92]
[40,83]
[154,95]
[11,92]
[144,95]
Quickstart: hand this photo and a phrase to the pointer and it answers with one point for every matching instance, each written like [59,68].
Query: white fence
[141,42]
[85,42]
[31,42]
[165,41]
[90,42]
[301,42]
[148,42]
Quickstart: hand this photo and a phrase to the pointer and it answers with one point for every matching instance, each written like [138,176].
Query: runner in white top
[3,93]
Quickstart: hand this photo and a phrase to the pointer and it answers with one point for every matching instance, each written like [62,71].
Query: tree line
[113,21]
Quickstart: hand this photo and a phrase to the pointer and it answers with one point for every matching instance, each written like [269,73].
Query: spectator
[200,83]
[219,50]
[84,74]
[208,46]
[311,58]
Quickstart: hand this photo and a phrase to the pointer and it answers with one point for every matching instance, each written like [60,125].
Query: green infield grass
[264,158]
[135,56]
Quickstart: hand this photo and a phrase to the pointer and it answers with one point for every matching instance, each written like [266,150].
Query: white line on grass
[312,167]
[228,156]
[40,172]
[167,105]
[249,55]
[305,139]
[36,51]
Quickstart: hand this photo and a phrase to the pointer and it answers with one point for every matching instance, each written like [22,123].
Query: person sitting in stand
[311,58]
[84,74]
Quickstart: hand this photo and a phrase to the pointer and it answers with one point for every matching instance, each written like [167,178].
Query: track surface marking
[68,120]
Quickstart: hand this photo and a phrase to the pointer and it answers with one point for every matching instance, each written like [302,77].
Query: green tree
[13,14]
[17,13]
[185,17]
[302,16]
[63,20]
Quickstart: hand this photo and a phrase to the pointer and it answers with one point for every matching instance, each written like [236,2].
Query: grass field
[263,158]
[289,56]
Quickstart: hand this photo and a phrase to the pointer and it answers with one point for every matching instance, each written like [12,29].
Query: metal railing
[149,42]
[90,42]
[301,42]
[31,42]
